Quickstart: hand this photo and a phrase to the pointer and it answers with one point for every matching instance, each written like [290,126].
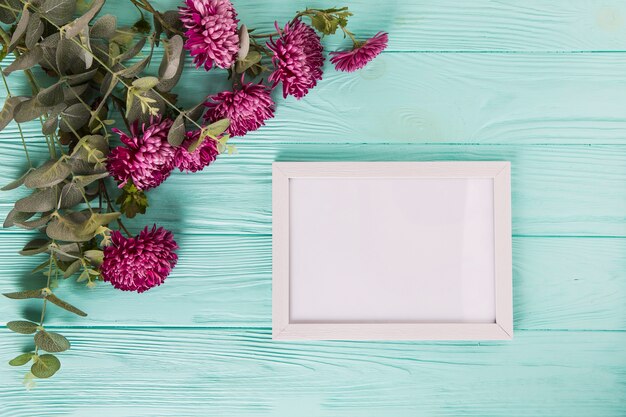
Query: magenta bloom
[360,55]
[147,159]
[247,108]
[211,31]
[297,59]
[201,157]
[141,262]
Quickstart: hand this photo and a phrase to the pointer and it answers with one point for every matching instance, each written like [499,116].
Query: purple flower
[147,159]
[360,55]
[201,157]
[247,108]
[141,262]
[297,59]
[211,31]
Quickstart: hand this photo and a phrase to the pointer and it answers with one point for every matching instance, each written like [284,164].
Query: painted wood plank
[453,25]
[556,190]
[559,283]
[437,98]
[241,372]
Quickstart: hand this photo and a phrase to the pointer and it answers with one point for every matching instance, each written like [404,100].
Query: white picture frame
[322,230]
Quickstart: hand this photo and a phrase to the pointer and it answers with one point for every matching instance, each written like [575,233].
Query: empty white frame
[392,251]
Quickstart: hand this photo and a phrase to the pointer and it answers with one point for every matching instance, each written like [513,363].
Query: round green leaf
[22,326]
[45,366]
[51,341]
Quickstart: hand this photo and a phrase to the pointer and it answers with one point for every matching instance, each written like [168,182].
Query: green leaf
[145,83]
[25,61]
[73,268]
[6,115]
[59,12]
[45,366]
[47,175]
[95,257]
[51,341]
[39,201]
[176,135]
[34,30]
[50,125]
[16,183]
[132,201]
[70,195]
[253,57]
[104,27]
[23,295]
[35,247]
[136,68]
[74,117]
[22,326]
[66,306]
[22,359]
[217,128]
[77,26]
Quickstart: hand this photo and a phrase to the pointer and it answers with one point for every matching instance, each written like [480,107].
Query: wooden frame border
[499,171]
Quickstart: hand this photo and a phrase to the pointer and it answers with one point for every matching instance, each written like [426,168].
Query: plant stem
[112,208]
[145,5]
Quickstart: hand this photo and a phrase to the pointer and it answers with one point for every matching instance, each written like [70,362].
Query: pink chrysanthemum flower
[201,157]
[211,31]
[297,59]
[147,159]
[247,108]
[141,262]
[360,55]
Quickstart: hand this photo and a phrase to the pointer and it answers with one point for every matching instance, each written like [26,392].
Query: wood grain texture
[559,283]
[437,98]
[167,372]
[556,190]
[479,80]
[454,25]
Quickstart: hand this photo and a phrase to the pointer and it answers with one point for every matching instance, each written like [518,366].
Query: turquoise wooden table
[539,83]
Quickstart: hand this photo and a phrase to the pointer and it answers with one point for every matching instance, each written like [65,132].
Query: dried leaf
[22,326]
[73,268]
[136,68]
[28,110]
[6,115]
[84,180]
[51,341]
[34,224]
[26,60]
[145,83]
[81,78]
[23,295]
[70,195]
[45,366]
[132,52]
[20,29]
[16,216]
[16,183]
[34,30]
[59,12]
[74,28]
[52,95]
[65,305]
[171,66]
[35,247]
[104,27]
[47,175]
[50,125]
[176,135]
[74,117]
[96,257]
[39,201]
